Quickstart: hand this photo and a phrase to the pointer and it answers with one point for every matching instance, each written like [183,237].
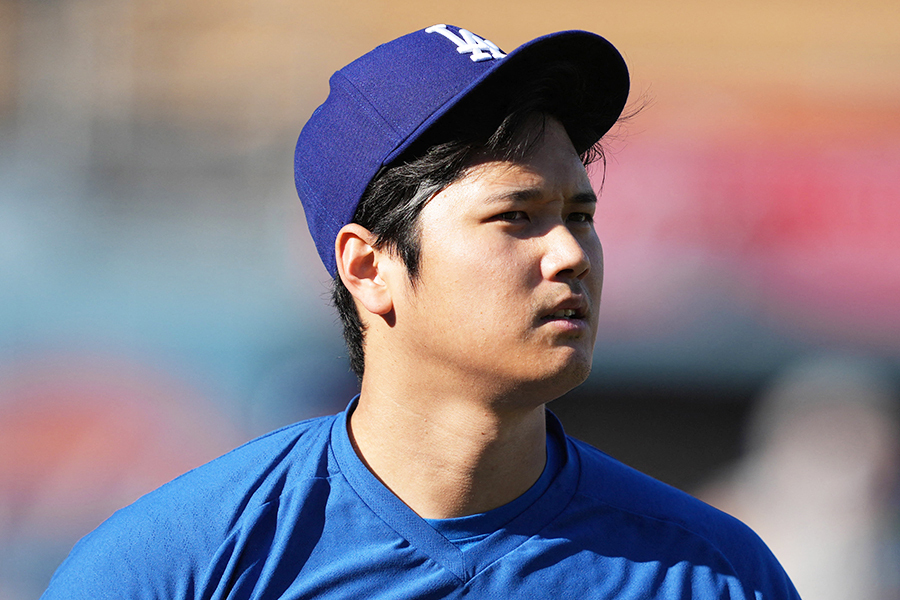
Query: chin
[552,385]
[575,376]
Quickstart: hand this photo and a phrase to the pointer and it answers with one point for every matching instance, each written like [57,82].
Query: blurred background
[161,302]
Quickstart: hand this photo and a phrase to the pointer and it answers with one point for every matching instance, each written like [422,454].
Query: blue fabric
[295,514]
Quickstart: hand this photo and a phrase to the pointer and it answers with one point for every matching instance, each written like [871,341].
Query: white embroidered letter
[478,48]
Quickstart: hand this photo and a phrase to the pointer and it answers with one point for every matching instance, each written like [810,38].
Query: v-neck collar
[425,538]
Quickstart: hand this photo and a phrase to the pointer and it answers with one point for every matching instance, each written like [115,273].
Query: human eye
[512,216]
[581,217]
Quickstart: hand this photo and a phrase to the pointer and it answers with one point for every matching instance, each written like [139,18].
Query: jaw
[548,376]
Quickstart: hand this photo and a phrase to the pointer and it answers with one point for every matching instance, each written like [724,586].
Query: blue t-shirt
[296,514]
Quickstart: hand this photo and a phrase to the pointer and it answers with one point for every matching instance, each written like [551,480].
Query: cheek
[484,256]
[593,282]
[510,273]
[481,284]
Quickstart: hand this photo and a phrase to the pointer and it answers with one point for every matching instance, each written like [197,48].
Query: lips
[569,309]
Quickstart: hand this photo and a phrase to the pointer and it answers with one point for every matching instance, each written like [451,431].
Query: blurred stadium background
[160,301]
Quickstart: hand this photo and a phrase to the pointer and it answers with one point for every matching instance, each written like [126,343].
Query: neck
[448,455]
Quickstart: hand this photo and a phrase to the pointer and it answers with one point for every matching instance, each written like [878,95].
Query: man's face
[511,274]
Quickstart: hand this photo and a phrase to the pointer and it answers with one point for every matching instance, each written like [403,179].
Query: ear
[358,263]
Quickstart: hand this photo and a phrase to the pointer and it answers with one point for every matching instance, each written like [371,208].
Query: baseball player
[444,185]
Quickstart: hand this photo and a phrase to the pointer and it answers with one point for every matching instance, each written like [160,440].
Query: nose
[567,255]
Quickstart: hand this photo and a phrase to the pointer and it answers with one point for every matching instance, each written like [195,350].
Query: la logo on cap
[467,42]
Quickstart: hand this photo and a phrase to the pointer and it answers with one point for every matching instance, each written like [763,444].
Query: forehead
[550,168]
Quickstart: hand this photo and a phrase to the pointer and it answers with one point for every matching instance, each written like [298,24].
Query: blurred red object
[83,436]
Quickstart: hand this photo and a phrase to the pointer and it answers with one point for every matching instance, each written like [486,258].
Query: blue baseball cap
[384,101]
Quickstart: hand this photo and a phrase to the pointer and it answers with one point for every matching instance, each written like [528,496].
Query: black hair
[392,202]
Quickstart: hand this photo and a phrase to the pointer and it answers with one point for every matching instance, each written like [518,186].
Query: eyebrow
[530,194]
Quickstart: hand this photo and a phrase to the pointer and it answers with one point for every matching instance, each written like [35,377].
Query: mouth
[572,310]
[566,313]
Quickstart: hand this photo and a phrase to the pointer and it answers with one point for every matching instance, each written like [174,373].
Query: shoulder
[162,543]
[251,475]
[660,521]
[615,484]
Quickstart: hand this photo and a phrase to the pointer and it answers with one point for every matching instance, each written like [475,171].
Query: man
[444,184]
